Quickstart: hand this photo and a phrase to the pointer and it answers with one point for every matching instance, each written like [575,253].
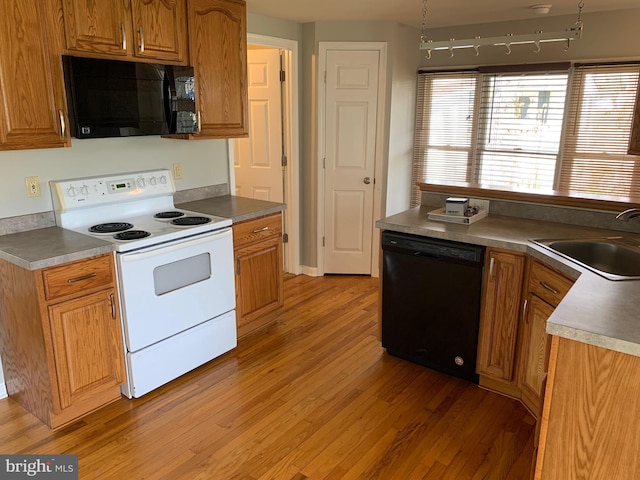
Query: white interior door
[351,109]
[258,159]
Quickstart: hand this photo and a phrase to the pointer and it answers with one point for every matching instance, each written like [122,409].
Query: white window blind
[445,121]
[514,130]
[599,120]
[519,129]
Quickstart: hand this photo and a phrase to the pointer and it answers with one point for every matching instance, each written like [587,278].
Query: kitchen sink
[615,258]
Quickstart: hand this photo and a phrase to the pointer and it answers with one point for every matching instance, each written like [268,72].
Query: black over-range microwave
[112,98]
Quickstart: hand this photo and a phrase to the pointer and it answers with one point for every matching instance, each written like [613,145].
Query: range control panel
[93,191]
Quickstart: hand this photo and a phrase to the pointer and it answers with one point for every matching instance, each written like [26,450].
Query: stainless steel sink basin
[615,258]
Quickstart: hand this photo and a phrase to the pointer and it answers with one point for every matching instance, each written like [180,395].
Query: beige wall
[204,163]
[606,36]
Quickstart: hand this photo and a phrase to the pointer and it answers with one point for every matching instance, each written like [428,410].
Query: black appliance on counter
[431,291]
[113,98]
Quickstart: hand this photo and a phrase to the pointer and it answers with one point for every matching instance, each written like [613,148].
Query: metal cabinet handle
[113,306]
[491,267]
[367,180]
[552,290]
[140,34]
[124,36]
[524,310]
[238,265]
[198,121]
[63,124]
[263,229]
[82,277]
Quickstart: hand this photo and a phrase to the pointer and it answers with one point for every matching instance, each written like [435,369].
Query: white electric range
[175,271]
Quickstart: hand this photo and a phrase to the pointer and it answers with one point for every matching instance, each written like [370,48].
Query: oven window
[180,274]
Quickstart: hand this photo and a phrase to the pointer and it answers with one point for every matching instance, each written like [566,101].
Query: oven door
[170,288]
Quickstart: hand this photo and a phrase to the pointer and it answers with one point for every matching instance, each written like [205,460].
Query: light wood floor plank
[314,396]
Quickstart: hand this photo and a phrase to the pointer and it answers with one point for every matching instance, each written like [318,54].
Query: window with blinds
[445,126]
[519,126]
[599,121]
[529,131]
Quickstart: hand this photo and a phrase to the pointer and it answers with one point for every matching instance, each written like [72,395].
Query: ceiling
[440,13]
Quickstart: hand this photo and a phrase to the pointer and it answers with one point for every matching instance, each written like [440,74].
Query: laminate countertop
[46,247]
[238,209]
[596,311]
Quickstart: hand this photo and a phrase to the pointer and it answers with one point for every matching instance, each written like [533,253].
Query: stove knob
[140,182]
[153,181]
[163,180]
[84,190]
[71,191]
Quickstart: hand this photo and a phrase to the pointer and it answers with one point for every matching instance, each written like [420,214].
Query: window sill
[615,204]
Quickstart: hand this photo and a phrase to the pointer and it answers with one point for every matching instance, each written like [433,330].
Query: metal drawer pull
[141,35]
[124,36]
[113,306]
[552,290]
[263,229]
[83,277]
[63,124]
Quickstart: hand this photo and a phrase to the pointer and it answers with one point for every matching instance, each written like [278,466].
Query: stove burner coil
[131,235]
[190,221]
[168,215]
[110,227]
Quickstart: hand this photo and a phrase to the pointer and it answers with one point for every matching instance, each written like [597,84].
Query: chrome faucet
[628,214]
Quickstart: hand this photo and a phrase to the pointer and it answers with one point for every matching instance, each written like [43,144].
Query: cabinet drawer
[257,229]
[77,277]
[548,284]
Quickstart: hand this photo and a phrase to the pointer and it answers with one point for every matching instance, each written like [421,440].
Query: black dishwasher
[431,291]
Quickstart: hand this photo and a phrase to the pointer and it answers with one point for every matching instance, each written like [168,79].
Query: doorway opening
[266,165]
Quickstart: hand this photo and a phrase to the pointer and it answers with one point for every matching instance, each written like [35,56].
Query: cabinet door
[96,27]
[500,311]
[32,101]
[534,353]
[218,43]
[160,29]
[87,349]
[259,283]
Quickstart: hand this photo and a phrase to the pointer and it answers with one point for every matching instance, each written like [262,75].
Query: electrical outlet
[177,171]
[33,186]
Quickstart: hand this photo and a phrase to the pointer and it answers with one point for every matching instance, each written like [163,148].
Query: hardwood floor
[312,397]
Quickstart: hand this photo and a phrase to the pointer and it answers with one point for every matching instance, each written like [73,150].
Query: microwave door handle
[168,110]
[178,245]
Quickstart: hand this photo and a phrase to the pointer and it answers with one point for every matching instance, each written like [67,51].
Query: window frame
[553,197]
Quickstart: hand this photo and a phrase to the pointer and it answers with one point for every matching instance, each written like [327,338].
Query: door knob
[367,180]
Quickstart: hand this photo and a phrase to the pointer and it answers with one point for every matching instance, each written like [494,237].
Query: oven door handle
[177,245]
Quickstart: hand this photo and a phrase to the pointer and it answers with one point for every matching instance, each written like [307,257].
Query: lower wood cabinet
[590,423]
[259,273]
[545,289]
[502,286]
[60,338]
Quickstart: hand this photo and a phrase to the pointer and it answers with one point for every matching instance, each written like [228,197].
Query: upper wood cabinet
[503,279]
[218,46]
[32,99]
[634,142]
[149,29]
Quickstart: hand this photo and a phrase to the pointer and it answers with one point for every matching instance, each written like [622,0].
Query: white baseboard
[3,391]
[310,271]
